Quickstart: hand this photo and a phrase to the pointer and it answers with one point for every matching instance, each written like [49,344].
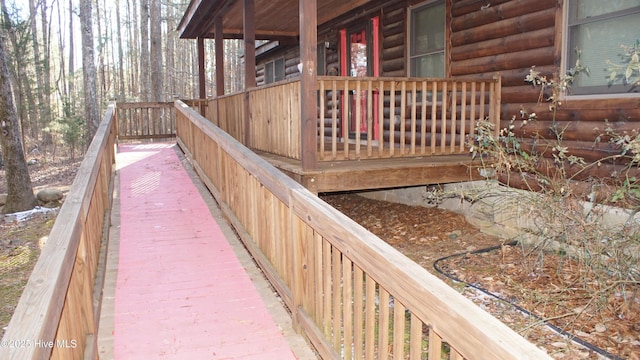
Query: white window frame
[565,64]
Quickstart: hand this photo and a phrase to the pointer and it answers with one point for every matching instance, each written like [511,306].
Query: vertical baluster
[435,345]
[434,112]
[347,308]
[414,99]
[358,312]
[334,120]
[423,119]
[392,118]
[322,110]
[415,338]
[383,324]
[381,118]
[369,118]
[454,115]
[398,330]
[370,318]
[358,117]
[346,119]
[403,116]
[443,125]
[463,117]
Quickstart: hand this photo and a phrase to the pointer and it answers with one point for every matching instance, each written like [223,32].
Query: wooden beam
[249,20]
[202,81]
[308,11]
[249,24]
[219,50]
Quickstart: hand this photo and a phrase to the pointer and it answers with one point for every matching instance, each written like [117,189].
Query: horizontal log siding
[337,278]
[510,37]
[393,28]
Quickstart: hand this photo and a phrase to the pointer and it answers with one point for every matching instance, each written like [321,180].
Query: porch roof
[275,19]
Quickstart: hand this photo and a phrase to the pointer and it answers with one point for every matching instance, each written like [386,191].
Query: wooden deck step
[181,292]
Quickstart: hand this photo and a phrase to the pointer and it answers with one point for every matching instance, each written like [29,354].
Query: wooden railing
[363,118]
[353,295]
[149,120]
[57,316]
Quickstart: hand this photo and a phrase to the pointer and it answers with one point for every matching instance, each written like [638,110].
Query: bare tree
[19,192]
[156,50]
[145,83]
[88,70]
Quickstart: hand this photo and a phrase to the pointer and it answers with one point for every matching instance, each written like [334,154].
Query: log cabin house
[400,84]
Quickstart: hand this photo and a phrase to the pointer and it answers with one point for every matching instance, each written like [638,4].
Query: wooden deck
[181,290]
[347,175]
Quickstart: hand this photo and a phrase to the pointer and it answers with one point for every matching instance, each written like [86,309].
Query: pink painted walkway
[181,292]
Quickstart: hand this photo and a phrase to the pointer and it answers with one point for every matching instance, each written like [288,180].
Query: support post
[308,10]
[249,24]
[219,50]
[201,74]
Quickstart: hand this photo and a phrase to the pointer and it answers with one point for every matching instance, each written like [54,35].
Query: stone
[49,195]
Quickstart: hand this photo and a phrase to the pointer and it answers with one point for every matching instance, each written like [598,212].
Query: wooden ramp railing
[353,295]
[149,120]
[57,316]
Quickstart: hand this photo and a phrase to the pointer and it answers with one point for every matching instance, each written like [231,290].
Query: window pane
[268,73]
[427,29]
[278,70]
[428,66]
[598,42]
[591,8]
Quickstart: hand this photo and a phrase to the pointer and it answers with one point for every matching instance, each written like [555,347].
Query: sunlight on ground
[127,158]
[18,257]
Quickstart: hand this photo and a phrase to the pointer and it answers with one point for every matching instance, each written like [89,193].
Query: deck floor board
[181,292]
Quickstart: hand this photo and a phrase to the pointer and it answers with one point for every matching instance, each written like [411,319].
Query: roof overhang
[274,19]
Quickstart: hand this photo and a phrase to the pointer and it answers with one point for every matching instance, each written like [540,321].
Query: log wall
[505,37]
[510,37]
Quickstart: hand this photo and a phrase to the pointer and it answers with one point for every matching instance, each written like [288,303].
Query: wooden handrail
[55,316]
[336,277]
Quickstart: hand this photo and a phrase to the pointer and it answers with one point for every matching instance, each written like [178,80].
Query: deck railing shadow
[350,293]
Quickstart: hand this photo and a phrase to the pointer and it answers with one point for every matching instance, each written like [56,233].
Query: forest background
[137,56]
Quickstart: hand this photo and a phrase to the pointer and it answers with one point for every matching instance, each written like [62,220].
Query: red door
[359,59]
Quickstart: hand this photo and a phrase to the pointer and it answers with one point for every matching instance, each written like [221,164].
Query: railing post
[497,102]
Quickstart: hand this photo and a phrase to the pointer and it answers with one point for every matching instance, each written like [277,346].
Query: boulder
[49,195]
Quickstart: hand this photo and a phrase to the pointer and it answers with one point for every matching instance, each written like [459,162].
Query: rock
[3,199]
[49,195]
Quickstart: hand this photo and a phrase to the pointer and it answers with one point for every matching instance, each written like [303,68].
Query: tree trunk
[37,124]
[19,192]
[144,50]
[88,71]
[121,96]
[156,50]
[72,65]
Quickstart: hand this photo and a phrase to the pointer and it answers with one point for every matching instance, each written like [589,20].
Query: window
[427,40]
[596,31]
[274,71]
